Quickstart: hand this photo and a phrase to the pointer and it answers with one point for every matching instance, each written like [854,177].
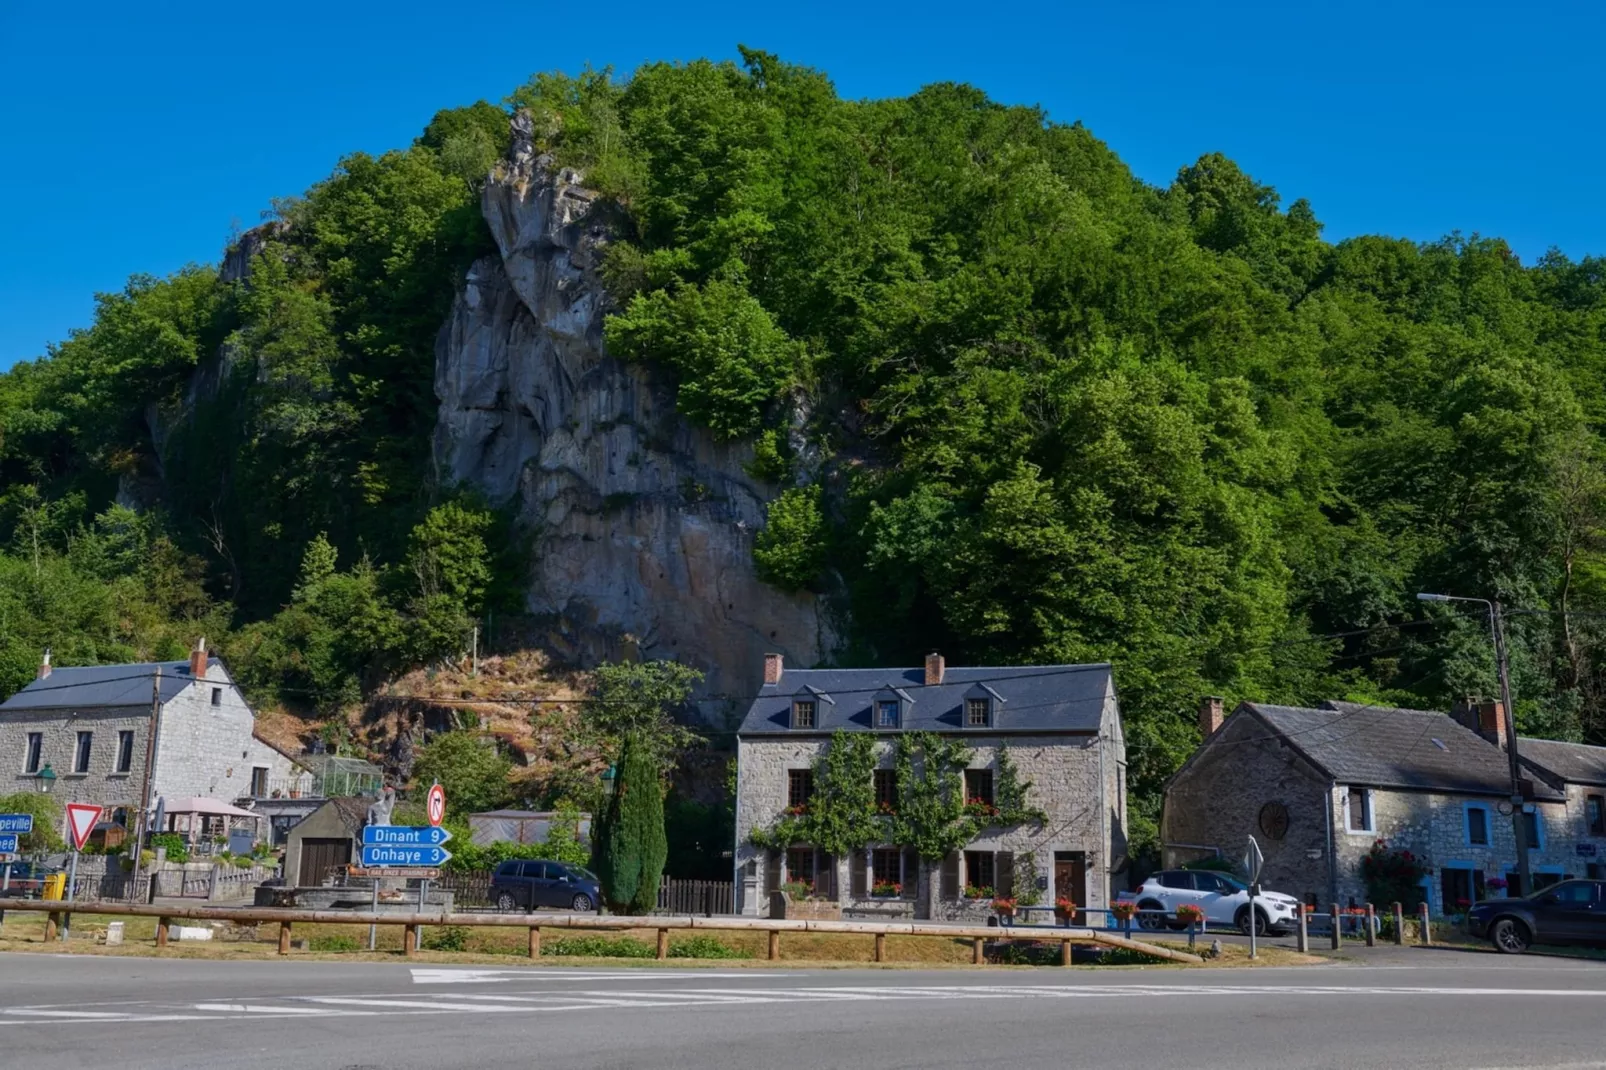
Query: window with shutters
[886,872]
[800,866]
[803,713]
[979,789]
[886,791]
[799,790]
[1358,811]
[980,875]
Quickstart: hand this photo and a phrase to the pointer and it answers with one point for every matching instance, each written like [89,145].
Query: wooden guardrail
[410,923]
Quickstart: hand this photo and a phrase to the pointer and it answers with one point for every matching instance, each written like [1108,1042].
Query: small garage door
[319,856]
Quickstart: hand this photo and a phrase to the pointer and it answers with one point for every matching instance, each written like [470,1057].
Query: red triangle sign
[81,818]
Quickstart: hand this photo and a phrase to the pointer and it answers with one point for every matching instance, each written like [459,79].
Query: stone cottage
[87,733]
[1036,757]
[1317,787]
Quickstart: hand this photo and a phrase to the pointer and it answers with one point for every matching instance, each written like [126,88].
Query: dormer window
[886,713]
[978,713]
[803,713]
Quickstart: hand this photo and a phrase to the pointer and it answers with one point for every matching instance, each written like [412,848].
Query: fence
[696,897]
[471,889]
[410,923]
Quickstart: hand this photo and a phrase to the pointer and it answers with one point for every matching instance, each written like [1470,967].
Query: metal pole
[1519,821]
[373,930]
[72,880]
[150,761]
[1253,924]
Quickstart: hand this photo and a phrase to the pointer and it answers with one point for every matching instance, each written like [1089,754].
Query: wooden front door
[319,856]
[1070,881]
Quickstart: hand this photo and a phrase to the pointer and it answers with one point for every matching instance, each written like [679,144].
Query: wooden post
[1399,924]
[1303,940]
[663,943]
[881,947]
[976,956]
[52,920]
[1425,926]
[284,938]
[535,941]
[1065,952]
[1371,925]
[775,944]
[1338,923]
[409,939]
[163,925]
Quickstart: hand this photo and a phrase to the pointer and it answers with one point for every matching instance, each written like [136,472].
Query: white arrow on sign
[81,818]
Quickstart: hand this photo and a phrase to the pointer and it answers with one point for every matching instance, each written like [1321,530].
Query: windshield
[1237,885]
[581,871]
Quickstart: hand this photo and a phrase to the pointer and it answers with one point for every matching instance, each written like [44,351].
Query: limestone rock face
[642,524]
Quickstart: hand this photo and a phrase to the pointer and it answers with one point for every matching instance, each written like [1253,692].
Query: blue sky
[135,135]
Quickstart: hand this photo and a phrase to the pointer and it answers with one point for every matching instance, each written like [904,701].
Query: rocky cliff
[642,524]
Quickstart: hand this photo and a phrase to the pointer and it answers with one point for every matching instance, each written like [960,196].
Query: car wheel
[581,904]
[1150,921]
[506,904]
[1510,936]
[1242,921]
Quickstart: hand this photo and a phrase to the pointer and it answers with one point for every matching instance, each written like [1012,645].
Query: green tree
[637,702]
[792,548]
[473,772]
[631,847]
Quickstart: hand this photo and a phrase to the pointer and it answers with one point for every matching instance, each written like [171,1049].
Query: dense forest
[1053,413]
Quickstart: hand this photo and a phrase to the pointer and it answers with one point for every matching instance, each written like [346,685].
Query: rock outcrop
[641,523]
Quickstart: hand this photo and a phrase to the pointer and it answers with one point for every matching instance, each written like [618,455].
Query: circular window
[1274,820]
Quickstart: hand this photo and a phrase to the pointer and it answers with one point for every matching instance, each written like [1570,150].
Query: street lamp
[1519,821]
[45,779]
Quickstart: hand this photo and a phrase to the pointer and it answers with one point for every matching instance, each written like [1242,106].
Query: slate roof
[1385,747]
[94,686]
[1578,763]
[1030,698]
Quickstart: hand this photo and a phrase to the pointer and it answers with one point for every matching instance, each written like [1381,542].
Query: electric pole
[1519,815]
[150,760]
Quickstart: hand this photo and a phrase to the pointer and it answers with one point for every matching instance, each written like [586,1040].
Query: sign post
[12,827]
[81,818]
[1253,863]
[435,810]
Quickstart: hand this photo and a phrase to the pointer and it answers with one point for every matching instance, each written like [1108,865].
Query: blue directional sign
[404,836]
[16,823]
[8,843]
[404,856]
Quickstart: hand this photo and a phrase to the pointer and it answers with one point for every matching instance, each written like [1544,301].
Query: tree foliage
[631,847]
[471,769]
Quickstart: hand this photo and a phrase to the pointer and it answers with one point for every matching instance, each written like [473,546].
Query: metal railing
[58,912]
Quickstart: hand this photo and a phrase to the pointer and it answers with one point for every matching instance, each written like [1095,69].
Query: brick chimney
[1210,714]
[44,665]
[934,669]
[1488,719]
[774,666]
[198,659]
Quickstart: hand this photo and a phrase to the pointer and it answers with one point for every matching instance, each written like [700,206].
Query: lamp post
[1519,821]
[45,779]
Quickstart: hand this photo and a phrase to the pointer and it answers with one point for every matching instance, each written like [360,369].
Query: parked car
[524,884]
[26,879]
[1572,912]
[1224,900]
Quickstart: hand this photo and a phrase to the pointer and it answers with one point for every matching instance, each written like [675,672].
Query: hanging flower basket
[1124,910]
[1190,914]
[1004,906]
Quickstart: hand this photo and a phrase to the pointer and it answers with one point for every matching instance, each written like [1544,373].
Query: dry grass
[502,946]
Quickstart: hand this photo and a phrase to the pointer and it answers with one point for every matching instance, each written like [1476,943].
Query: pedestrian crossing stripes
[693,991]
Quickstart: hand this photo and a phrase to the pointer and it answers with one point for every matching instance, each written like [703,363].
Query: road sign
[16,823]
[8,843]
[393,871]
[81,818]
[1253,861]
[388,855]
[405,835]
[436,804]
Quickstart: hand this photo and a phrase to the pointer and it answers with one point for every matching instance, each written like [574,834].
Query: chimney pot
[935,667]
[774,666]
[44,665]
[198,659]
[1210,714]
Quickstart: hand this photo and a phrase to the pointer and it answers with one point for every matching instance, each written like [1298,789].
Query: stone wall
[1073,780]
[102,785]
[208,750]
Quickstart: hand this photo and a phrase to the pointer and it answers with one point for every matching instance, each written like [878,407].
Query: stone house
[1317,787]
[325,841]
[91,727]
[1055,728]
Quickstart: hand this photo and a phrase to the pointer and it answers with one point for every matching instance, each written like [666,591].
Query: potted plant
[1496,884]
[976,891]
[1123,911]
[797,891]
[886,889]
[1004,906]
[1191,914]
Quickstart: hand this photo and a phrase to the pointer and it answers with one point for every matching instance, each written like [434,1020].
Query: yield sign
[81,818]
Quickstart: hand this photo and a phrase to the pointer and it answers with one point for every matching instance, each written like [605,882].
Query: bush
[1392,876]
[178,849]
[705,947]
[334,942]
[631,846]
[791,549]
[446,938]
[615,947]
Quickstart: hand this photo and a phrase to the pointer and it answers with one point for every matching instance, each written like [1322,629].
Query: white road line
[258,1008]
[68,1014]
[398,1004]
[425,976]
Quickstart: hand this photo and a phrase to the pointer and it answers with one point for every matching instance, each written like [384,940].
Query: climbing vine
[931,815]
[1009,792]
[841,815]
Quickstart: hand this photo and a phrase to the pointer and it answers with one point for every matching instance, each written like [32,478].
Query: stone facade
[1078,780]
[102,784]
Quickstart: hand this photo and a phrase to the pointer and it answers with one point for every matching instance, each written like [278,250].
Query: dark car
[26,880]
[1572,912]
[525,884]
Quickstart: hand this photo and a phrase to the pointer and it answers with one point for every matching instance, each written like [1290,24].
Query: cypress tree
[632,847]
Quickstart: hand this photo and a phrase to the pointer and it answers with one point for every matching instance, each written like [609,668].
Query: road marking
[424,976]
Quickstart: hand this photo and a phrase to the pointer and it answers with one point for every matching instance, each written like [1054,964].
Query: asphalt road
[1420,1009]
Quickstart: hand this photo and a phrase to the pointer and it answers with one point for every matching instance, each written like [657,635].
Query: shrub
[797,891]
[446,938]
[703,946]
[1392,875]
[631,846]
[178,849]
[616,947]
